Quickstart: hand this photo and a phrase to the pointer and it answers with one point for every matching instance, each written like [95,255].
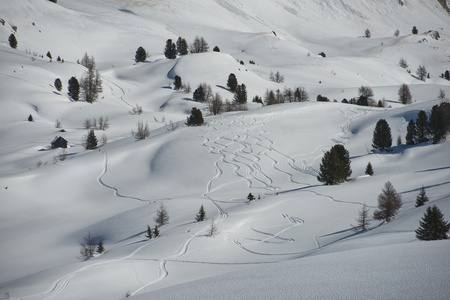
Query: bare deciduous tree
[143,131]
[162,216]
[277,77]
[88,246]
[363,219]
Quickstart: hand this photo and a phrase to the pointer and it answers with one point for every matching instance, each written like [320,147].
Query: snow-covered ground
[296,241]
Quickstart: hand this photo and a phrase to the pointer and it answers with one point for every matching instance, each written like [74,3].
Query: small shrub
[58,84]
[12,41]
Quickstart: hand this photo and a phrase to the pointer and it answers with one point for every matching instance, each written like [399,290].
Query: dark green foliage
[321,98]
[362,101]
[49,55]
[367,33]
[141,55]
[162,216]
[149,234]
[91,141]
[433,226]
[440,121]
[170,51]
[250,197]
[196,117]
[257,99]
[216,49]
[414,30]
[335,166]
[240,96]
[74,89]
[404,94]
[178,84]
[421,197]
[447,75]
[58,84]
[12,41]
[232,82]
[30,118]
[182,46]
[156,231]
[201,215]
[199,94]
[380,103]
[422,127]
[100,247]
[411,134]
[54,1]
[389,203]
[382,138]
[369,169]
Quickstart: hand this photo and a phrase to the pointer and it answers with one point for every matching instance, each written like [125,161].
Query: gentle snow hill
[297,238]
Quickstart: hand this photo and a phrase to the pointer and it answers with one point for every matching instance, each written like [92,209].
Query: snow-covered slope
[47,206]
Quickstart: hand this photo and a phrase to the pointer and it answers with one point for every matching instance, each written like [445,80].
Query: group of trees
[161,219]
[298,94]
[436,127]
[196,117]
[89,247]
[90,84]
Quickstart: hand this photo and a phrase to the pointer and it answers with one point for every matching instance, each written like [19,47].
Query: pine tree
[439,121]
[141,55]
[74,89]
[433,226]
[422,127]
[12,41]
[367,33]
[216,49]
[196,117]
[232,82]
[382,138]
[404,94]
[414,30]
[421,197]
[199,94]
[240,96]
[182,46]
[250,197]
[91,141]
[369,169]
[58,84]
[335,166]
[363,219]
[201,215]
[162,216]
[178,84]
[389,203]
[91,83]
[170,51]
[100,248]
[149,234]
[411,134]
[49,55]
[156,231]
[30,118]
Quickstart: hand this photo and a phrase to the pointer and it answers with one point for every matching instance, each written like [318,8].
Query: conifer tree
[201,215]
[30,118]
[433,226]
[91,83]
[414,30]
[404,94]
[74,89]
[196,117]
[439,121]
[335,166]
[363,219]
[58,84]
[369,169]
[389,203]
[91,141]
[100,247]
[422,127]
[162,216]
[149,234]
[240,96]
[382,138]
[421,72]
[178,84]
[199,94]
[182,46]
[367,33]
[12,41]
[421,197]
[141,55]
[156,231]
[250,197]
[216,49]
[232,82]
[170,51]
[411,133]
[49,55]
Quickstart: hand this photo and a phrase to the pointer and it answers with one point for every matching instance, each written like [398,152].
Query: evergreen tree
[363,219]
[439,121]
[367,33]
[250,197]
[422,127]
[216,49]
[411,134]
[447,75]
[58,84]
[182,46]
[178,84]
[414,30]
[199,94]
[74,89]
[149,234]
[170,51]
[389,203]
[141,55]
[30,118]
[49,55]
[156,231]
[421,197]
[91,141]
[201,215]
[366,92]
[12,41]
[196,117]
[100,248]
[404,94]
[300,95]
[433,226]
[335,166]
[382,138]
[162,216]
[369,169]
[91,83]
[240,96]
[232,82]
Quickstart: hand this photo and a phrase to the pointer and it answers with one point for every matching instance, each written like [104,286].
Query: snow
[296,241]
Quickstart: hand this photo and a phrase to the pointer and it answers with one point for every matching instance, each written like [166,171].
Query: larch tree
[201,215]
[363,219]
[421,72]
[162,216]
[404,94]
[90,83]
[389,203]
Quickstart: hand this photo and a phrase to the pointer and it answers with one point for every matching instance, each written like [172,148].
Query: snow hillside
[296,240]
